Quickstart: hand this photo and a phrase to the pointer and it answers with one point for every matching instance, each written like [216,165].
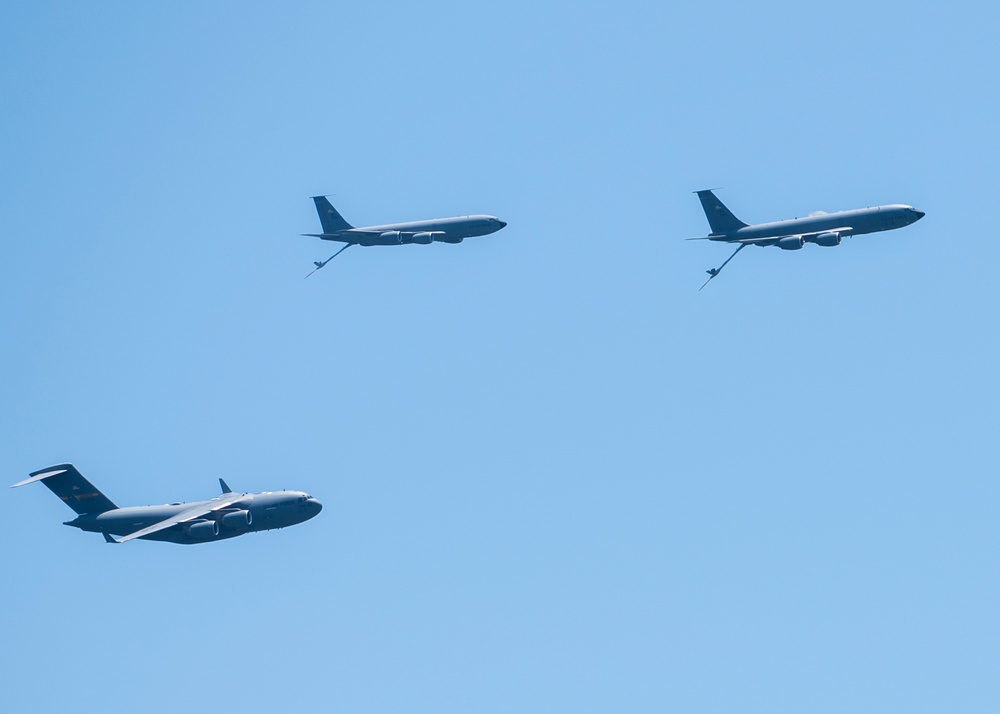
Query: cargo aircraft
[436,230]
[824,229]
[226,516]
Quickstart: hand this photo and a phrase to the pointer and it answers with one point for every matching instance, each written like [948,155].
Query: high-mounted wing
[190,514]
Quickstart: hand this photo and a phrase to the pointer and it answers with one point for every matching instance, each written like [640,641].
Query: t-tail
[329,218]
[720,218]
[69,484]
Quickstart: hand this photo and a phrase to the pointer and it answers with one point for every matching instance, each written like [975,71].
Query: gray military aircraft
[824,229]
[225,516]
[437,230]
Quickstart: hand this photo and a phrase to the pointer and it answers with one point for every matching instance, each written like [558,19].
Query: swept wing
[844,231]
[348,236]
[190,514]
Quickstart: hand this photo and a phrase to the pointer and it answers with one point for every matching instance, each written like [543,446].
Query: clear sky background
[556,477]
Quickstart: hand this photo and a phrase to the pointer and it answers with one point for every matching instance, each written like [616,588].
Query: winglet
[225,486]
[108,538]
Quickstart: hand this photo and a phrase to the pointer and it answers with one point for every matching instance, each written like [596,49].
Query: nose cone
[314,506]
[918,214]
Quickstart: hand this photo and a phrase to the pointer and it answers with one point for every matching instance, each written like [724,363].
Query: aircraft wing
[352,235]
[190,514]
[758,241]
[844,231]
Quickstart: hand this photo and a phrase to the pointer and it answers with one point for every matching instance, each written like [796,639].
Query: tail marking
[329,218]
[720,218]
[75,491]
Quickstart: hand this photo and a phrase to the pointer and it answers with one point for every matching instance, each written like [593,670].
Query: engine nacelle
[445,239]
[827,240]
[423,238]
[790,242]
[391,237]
[237,520]
[203,530]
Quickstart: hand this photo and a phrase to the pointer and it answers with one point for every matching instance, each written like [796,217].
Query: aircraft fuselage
[855,222]
[267,511]
[824,229]
[438,230]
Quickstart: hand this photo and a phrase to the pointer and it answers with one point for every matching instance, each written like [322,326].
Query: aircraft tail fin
[329,218]
[69,484]
[720,218]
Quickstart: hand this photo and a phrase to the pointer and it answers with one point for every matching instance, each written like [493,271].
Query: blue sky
[555,475]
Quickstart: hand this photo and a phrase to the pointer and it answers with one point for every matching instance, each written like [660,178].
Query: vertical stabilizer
[329,218]
[720,218]
[69,484]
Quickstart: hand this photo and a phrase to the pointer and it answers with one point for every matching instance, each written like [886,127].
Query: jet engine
[203,530]
[237,520]
[392,236]
[445,239]
[790,242]
[827,240]
[423,238]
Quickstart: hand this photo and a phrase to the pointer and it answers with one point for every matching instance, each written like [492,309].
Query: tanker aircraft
[824,229]
[436,230]
[225,516]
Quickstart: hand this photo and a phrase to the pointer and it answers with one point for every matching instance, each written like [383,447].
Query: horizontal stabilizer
[69,484]
[39,476]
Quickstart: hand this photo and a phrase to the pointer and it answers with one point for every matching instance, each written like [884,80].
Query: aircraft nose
[315,505]
[503,224]
[920,214]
